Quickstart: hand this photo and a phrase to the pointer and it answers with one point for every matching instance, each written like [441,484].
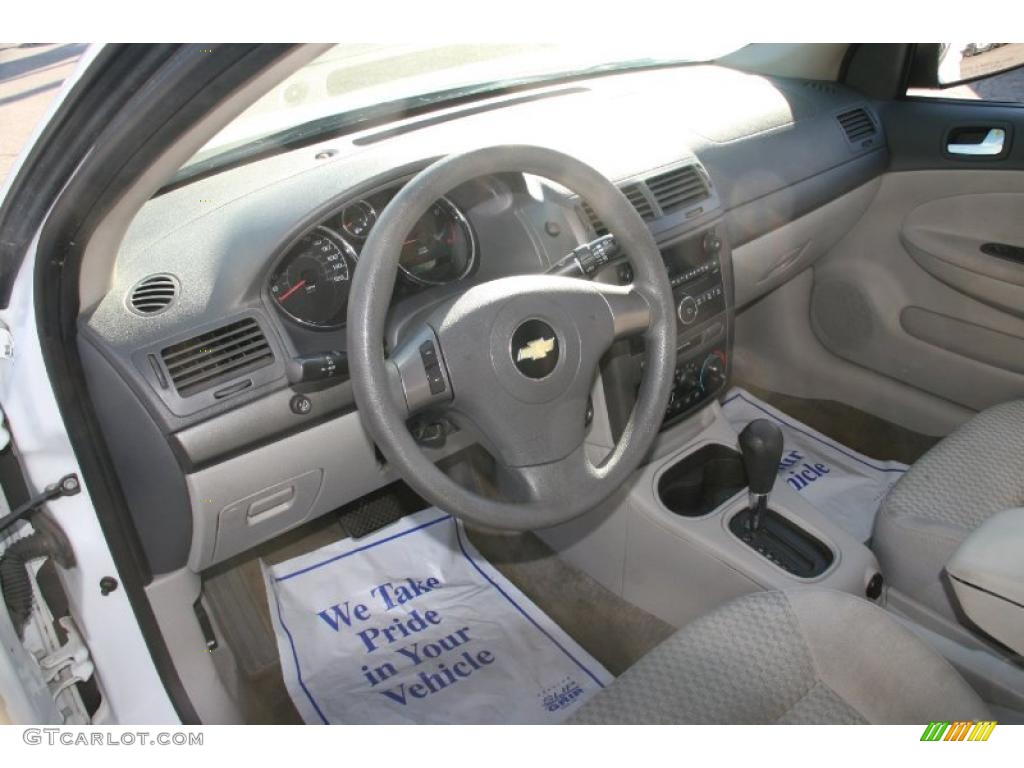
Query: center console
[699,268]
[691,531]
[702,481]
[703,522]
[700,271]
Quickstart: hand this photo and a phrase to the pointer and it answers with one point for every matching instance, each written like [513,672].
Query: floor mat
[613,630]
[411,625]
[863,432]
[844,485]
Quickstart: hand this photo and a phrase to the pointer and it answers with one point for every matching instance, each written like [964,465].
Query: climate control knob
[686,379]
[687,310]
[712,244]
[712,371]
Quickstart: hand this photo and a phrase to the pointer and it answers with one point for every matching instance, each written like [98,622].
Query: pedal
[379,510]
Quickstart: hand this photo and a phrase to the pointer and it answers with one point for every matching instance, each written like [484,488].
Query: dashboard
[226,287]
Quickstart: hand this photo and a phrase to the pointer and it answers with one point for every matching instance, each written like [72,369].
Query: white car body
[132,690]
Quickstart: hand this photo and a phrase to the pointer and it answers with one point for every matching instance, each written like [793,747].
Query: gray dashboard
[769,151]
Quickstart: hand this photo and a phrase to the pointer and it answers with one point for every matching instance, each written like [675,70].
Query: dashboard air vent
[153,294]
[678,187]
[857,124]
[635,194]
[215,356]
[639,200]
[595,222]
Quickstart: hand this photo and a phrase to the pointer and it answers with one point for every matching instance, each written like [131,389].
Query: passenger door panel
[927,287]
[952,238]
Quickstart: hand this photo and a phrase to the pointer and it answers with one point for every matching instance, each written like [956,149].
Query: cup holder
[702,481]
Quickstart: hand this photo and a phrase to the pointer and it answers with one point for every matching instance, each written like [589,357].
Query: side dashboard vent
[216,356]
[153,295]
[857,125]
[635,194]
[678,188]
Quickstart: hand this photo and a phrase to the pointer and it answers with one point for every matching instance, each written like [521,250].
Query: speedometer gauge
[440,248]
[311,283]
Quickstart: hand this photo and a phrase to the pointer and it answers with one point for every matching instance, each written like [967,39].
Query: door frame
[127,105]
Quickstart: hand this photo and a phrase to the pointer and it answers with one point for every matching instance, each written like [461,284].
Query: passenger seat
[975,472]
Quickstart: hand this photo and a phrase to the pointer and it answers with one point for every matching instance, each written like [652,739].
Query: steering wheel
[514,359]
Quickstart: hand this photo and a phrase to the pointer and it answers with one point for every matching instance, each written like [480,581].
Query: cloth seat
[975,472]
[805,656]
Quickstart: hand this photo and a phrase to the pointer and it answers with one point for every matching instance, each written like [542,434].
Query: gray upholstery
[806,656]
[973,473]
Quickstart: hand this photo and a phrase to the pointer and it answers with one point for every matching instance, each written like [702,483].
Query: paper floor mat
[846,486]
[412,625]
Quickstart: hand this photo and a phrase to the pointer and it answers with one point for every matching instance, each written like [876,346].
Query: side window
[978,71]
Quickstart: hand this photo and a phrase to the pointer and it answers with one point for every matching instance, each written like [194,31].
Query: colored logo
[960,730]
[535,349]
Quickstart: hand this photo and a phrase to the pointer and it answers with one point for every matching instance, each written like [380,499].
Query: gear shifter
[776,537]
[761,444]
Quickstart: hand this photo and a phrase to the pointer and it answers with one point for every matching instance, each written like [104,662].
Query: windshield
[350,78]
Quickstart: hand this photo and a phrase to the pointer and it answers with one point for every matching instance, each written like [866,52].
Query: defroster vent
[216,356]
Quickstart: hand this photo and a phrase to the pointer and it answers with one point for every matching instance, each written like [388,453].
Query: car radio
[699,268]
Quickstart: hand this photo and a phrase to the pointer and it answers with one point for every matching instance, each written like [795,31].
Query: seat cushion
[973,473]
[806,656]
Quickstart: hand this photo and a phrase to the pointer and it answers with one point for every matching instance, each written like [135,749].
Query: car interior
[302,345]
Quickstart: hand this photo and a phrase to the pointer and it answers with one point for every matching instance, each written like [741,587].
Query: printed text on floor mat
[443,660]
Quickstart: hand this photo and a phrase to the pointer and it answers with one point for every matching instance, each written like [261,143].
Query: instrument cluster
[310,283]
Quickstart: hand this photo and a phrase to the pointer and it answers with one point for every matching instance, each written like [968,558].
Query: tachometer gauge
[440,248]
[358,218]
[311,283]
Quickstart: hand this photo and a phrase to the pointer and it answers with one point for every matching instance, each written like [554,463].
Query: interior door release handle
[991,144]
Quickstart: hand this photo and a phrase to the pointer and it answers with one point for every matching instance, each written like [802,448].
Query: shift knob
[761,444]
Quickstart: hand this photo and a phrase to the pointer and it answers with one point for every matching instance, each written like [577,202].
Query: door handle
[991,143]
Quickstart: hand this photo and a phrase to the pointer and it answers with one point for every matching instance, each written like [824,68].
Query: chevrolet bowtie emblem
[537,349]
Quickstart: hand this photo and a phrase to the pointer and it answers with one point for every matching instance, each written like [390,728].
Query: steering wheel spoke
[418,373]
[629,310]
[554,482]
